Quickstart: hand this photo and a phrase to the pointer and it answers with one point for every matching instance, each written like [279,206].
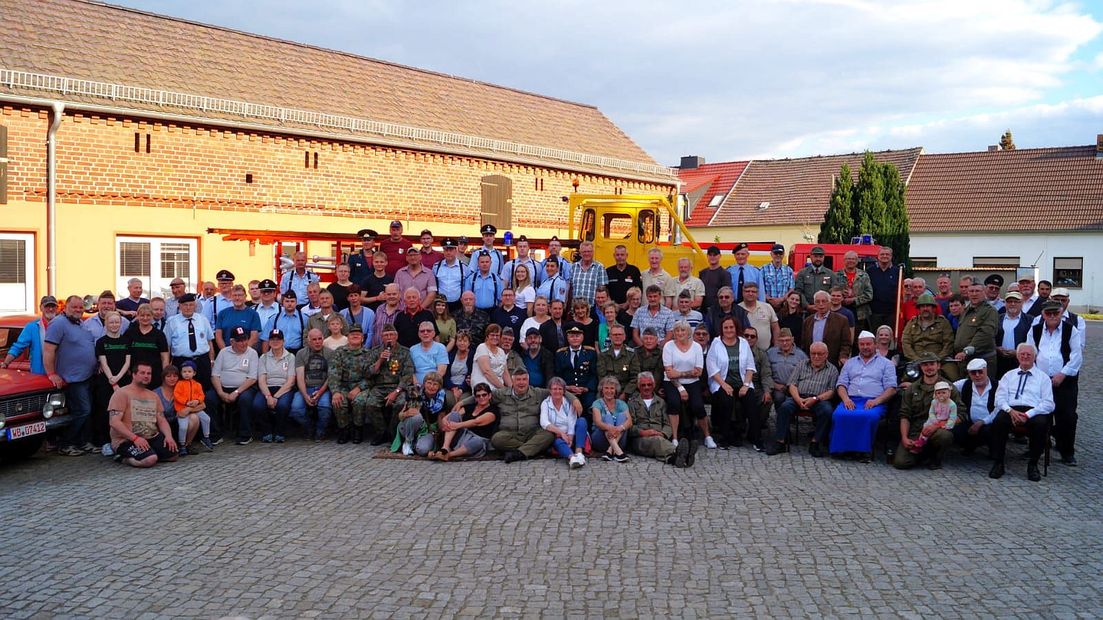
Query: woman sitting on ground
[467,434]
[419,414]
[611,422]
[557,416]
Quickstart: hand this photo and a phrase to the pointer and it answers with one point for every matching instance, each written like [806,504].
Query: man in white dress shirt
[1060,357]
[1024,399]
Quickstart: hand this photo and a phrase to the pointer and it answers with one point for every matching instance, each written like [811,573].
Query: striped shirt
[810,381]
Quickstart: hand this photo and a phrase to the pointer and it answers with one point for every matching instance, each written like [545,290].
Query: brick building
[164,128]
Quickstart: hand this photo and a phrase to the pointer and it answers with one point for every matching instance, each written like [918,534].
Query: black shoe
[1069,460]
[997,471]
[357,434]
[1032,473]
[514,455]
[865,457]
[933,465]
[814,449]
[680,454]
[777,448]
[380,439]
[691,456]
[343,435]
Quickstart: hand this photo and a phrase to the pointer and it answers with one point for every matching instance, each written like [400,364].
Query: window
[995,261]
[17,273]
[1068,272]
[155,262]
[648,226]
[617,226]
[924,261]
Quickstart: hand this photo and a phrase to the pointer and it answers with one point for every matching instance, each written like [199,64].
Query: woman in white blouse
[730,364]
[490,361]
[684,362]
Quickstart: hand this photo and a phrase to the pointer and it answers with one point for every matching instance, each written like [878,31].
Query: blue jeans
[301,416]
[580,432]
[598,441]
[78,399]
[272,421]
[245,411]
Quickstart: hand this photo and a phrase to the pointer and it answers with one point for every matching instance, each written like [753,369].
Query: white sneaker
[581,459]
[106,450]
[675,442]
[710,443]
[407,449]
[574,461]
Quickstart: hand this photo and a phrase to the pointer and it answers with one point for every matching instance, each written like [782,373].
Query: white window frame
[30,306]
[154,284]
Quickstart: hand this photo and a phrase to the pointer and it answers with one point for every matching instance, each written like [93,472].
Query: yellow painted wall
[86,239]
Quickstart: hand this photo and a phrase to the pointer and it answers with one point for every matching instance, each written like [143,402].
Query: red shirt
[430,258]
[396,253]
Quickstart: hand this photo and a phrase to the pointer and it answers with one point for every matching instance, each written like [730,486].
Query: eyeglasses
[481,394]
[750,336]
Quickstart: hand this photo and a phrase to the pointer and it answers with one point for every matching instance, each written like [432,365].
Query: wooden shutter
[497,201]
[3,165]
[134,260]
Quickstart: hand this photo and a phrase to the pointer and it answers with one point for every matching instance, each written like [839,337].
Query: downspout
[51,198]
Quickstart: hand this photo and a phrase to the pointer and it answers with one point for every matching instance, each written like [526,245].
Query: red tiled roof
[121,46]
[798,190]
[1018,190]
[713,180]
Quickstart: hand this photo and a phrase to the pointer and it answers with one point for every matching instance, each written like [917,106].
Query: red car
[29,404]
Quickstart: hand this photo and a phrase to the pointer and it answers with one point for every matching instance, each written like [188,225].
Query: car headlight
[53,403]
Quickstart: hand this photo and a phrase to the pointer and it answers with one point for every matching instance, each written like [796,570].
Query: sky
[742,79]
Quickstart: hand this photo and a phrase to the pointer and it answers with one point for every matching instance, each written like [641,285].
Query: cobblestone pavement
[304,530]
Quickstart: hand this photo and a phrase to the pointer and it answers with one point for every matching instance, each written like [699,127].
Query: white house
[1022,207]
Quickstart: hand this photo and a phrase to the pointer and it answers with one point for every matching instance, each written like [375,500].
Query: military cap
[741,246]
[366,233]
[488,229]
[267,285]
[356,327]
[574,329]
[291,294]
[462,240]
[995,278]
[224,274]
[448,242]
[926,299]
[818,250]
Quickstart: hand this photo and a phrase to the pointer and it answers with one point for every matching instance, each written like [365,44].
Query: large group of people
[453,354]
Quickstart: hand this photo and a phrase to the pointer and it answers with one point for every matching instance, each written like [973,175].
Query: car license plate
[19,432]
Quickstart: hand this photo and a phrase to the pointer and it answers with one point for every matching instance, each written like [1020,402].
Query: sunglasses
[750,336]
[481,394]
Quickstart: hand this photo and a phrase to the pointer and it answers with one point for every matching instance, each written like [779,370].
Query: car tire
[21,450]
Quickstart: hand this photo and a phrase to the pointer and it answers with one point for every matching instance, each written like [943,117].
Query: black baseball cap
[187,297]
[275,334]
[777,249]
[713,251]
[239,333]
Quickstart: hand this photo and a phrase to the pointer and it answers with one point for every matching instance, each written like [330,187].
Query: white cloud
[727,79]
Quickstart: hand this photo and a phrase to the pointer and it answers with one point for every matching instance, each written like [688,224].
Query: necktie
[559,333]
[574,356]
[1023,376]
[192,343]
[740,289]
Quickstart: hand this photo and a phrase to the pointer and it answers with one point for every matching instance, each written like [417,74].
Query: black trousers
[1064,415]
[691,410]
[735,415]
[1036,428]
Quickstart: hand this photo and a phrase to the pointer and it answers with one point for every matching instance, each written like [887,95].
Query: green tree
[893,226]
[1007,143]
[869,196]
[838,223]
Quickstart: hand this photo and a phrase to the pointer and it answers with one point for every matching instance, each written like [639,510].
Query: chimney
[992,148]
[691,162]
[1099,146]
